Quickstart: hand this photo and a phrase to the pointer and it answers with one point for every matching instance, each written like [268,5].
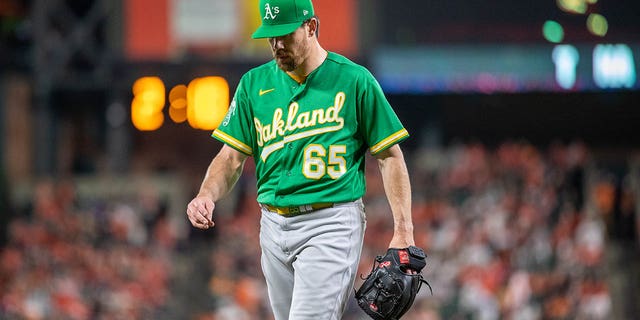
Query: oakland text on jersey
[305,120]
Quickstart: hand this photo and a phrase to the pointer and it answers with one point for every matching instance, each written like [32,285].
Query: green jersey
[309,139]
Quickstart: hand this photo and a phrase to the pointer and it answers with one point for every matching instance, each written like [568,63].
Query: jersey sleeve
[236,130]
[379,124]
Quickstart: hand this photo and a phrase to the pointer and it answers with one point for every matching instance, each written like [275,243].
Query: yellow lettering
[317,117]
[258,125]
[293,110]
[303,120]
[278,123]
[279,127]
[333,112]
[266,135]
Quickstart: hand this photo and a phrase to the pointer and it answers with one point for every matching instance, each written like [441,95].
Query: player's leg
[326,261]
[276,267]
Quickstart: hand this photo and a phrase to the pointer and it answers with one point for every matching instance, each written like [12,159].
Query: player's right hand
[200,212]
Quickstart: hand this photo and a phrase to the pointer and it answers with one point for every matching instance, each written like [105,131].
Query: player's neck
[316,57]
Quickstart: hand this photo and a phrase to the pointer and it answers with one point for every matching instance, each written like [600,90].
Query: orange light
[204,103]
[147,103]
[207,102]
[178,96]
[144,116]
[178,115]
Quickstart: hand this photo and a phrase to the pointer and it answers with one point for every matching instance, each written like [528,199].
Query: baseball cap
[281,17]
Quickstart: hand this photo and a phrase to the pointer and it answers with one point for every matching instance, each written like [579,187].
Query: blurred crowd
[94,259]
[511,232]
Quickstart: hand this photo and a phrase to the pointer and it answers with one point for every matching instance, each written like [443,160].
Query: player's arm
[397,187]
[222,175]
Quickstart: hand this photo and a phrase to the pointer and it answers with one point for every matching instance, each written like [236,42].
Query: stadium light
[207,102]
[203,103]
[147,104]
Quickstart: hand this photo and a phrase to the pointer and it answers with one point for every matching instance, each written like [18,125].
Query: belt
[296,210]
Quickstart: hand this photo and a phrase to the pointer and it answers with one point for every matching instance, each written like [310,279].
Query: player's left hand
[402,240]
[390,289]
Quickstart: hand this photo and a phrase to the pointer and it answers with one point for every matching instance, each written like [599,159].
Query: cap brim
[272,31]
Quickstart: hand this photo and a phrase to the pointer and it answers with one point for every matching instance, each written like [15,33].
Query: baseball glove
[390,288]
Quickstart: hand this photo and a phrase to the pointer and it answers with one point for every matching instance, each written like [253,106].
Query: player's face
[290,50]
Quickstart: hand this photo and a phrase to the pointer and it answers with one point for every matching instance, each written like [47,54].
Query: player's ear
[314,27]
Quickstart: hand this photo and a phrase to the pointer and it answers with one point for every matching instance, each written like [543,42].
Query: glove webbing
[379,260]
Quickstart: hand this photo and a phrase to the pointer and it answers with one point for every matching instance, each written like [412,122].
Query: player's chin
[285,64]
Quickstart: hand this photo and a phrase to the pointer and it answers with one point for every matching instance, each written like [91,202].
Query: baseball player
[307,118]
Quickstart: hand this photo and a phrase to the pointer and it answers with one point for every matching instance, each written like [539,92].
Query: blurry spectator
[5,208]
[625,217]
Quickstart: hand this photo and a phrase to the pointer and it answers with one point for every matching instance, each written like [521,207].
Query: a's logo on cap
[305,12]
[270,13]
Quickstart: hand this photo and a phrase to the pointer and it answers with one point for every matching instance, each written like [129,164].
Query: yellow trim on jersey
[296,78]
[389,141]
[232,142]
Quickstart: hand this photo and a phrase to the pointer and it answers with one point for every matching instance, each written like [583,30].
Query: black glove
[391,287]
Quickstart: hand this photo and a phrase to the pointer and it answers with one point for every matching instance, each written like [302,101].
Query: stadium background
[523,157]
